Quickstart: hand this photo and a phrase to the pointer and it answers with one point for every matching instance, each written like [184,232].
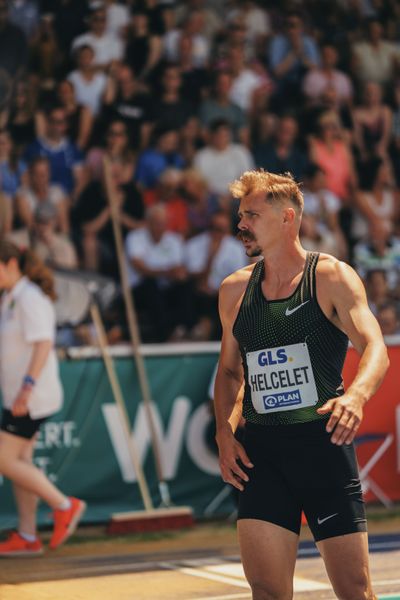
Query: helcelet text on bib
[281,378]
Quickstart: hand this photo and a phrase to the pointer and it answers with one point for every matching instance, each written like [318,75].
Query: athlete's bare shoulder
[233,288]
[237,282]
[333,270]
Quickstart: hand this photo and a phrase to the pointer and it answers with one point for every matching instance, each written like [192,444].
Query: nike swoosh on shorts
[320,521]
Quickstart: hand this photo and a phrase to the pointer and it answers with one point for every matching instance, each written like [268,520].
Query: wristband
[28,381]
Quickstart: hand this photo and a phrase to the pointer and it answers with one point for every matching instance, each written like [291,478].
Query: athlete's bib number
[281,378]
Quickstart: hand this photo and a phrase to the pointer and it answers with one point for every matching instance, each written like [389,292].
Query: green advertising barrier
[83,450]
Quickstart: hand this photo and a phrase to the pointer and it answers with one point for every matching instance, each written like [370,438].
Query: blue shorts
[297,468]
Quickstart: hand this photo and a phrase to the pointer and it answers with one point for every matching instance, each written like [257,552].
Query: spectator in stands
[108,49]
[79,118]
[64,156]
[212,21]
[380,251]
[235,35]
[209,258]
[163,153]
[13,45]
[167,191]
[221,161]
[46,56]
[250,87]
[291,54]
[158,276]
[117,18]
[91,218]
[394,148]
[89,83]
[330,151]
[69,23]
[25,14]
[282,153]
[124,100]
[321,79]
[143,48]
[321,204]
[377,288]
[375,58]
[372,124]
[38,191]
[170,108]
[195,80]
[192,27]
[19,118]
[6,215]
[388,318]
[12,169]
[220,106]
[377,202]
[116,149]
[52,247]
[256,22]
[316,238]
[201,204]
[155,11]
[264,125]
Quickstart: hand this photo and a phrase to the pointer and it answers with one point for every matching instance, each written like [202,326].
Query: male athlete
[286,324]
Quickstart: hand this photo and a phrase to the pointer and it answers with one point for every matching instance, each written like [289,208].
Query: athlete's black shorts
[25,426]
[297,468]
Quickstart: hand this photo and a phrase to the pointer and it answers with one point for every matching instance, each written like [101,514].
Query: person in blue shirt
[291,54]
[64,156]
[282,153]
[12,170]
[162,154]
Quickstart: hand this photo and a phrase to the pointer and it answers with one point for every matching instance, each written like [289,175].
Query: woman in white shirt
[31,392]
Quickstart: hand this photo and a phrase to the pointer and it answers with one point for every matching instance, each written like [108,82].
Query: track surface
[177,575]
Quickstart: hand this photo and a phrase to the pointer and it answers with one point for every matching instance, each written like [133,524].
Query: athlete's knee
[263,590]
[357,589]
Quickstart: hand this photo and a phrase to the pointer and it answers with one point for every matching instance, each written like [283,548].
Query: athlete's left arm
[353,315]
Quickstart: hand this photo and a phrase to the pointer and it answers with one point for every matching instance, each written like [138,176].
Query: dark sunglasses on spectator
[58,121]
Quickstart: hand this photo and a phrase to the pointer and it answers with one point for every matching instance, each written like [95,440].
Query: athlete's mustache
[245,236]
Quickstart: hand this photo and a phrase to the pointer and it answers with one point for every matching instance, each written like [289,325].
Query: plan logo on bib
[285,399]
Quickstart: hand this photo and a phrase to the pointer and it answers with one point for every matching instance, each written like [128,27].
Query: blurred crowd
[174,100]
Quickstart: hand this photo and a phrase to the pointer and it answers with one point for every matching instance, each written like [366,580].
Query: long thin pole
[134,334]
[120,403]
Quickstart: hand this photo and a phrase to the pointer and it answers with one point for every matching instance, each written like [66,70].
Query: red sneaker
[16,545]
[66,521]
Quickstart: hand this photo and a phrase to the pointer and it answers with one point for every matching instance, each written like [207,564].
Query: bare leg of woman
[25,474]
[26,501]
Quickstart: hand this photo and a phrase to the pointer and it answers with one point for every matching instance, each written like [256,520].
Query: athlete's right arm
[229,384]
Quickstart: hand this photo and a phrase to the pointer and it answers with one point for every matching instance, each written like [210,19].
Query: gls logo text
[272,357]
[181,428]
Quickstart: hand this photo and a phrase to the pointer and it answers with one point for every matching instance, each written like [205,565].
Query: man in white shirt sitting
[107,48]
[209,258]
[221,161]
[158,276]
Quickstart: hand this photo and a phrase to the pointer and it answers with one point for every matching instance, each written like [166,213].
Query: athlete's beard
[244,236]
[255,252]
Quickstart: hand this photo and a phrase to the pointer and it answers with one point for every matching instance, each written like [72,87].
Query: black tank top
[292,354]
